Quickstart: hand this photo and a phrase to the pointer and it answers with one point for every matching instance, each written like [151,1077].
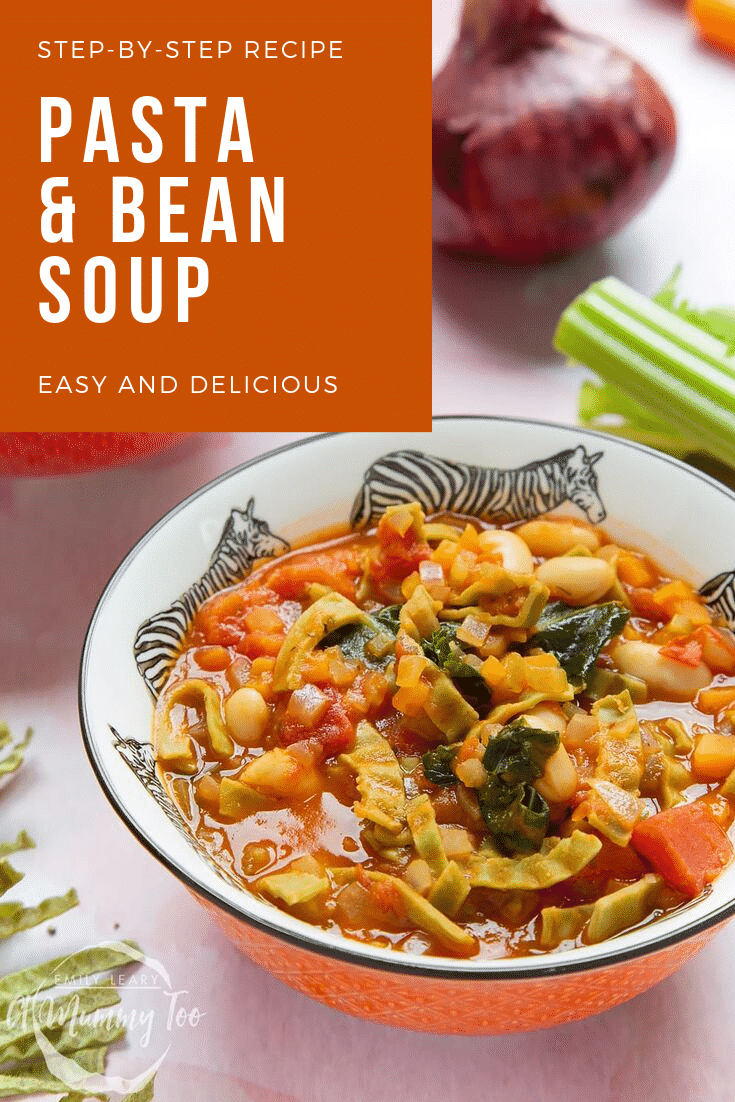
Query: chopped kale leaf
[515,814]
[518,753]
[443,649]
[351,640]
[438,765]
[577,635]
[389,617]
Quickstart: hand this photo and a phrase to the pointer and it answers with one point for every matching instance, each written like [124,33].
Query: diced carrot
[409,584]
[685,845]
[411,701]
[262,665]
[635,571]
[667,596]
[542,661]
[492,671]
[715,20]
[463,563]
[264,619]
[714,756]
[712,701]
[686,651]
[445,552]
[258,643]
[469,539]
[316,668]
[212,658]
[693,610]
[409,670]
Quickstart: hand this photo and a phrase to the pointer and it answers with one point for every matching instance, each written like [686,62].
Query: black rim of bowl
[452,969]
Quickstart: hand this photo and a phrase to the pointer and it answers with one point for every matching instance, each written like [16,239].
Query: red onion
[545,140]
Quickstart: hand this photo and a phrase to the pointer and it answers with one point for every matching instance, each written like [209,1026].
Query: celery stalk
[677,374]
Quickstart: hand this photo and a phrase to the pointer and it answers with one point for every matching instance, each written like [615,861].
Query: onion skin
[545,140]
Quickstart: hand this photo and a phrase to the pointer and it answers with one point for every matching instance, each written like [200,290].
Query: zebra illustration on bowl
[244,540]
[520,493]
[719,594]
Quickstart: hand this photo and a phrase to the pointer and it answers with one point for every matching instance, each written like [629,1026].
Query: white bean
[246,715]
[548,717]
[665,676]
[576,579]
[514,553]
[546,538]
[559,780]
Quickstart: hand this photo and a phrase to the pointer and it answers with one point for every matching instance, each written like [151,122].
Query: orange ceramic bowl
[212,539]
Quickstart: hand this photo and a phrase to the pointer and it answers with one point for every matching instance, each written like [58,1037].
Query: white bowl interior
[683,519]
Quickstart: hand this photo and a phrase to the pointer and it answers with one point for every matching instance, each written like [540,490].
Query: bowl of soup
[440,727]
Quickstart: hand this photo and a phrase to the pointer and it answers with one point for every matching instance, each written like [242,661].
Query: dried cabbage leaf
[23,841]
[450,890]
[14,917]
[485,596]
[294,887]
[87,962]
[620,757]
[622,909]
[69,1030]
[36,1078]
[14,759]
[425,833]
[422,913]
[558,859]
[379,779]
[313,625]
[8,876]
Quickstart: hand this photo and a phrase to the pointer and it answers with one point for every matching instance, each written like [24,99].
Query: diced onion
[307,705]
[472,631]
[431,572]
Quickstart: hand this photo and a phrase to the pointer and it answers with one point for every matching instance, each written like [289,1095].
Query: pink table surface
[60,539]
[259,1041]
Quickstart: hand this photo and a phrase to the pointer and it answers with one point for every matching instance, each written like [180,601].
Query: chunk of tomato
[334,733]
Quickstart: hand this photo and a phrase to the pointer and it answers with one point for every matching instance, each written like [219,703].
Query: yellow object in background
[715,21]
